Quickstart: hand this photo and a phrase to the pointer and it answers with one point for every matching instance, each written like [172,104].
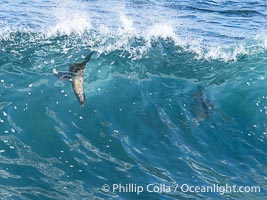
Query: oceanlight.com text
[185,188]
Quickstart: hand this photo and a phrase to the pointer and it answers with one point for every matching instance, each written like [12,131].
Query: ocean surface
[176,96]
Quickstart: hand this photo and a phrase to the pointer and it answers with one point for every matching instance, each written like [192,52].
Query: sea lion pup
[75,75]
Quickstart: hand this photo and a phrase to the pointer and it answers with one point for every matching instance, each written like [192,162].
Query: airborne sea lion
[75,75]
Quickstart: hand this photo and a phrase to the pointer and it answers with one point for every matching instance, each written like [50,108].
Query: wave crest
[75,30]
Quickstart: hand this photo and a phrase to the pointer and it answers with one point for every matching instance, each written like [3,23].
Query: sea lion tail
[87,59]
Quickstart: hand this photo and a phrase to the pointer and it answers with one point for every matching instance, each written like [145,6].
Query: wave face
[176,94]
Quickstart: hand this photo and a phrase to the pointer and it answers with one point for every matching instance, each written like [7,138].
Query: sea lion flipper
[62,75]
[87,59]
[76,67]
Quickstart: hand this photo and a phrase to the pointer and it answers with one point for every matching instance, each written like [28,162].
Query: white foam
[262,40]
[127,26]
[161,30]
[68,19]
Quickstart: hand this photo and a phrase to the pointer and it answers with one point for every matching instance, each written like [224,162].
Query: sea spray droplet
[4,113]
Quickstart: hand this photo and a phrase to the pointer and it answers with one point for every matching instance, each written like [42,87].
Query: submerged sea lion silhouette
[75,75]
[204,107]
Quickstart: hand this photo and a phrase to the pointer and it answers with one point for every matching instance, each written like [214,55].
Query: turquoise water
[176,95]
